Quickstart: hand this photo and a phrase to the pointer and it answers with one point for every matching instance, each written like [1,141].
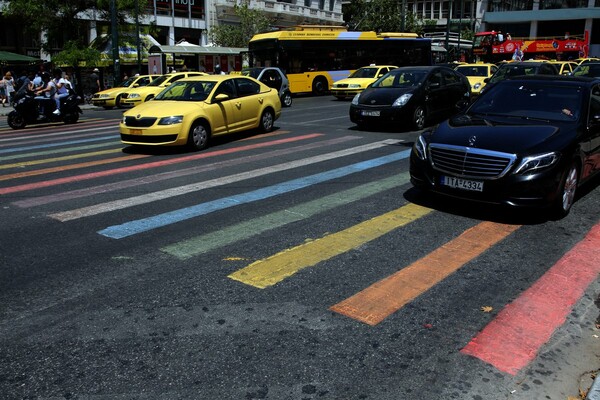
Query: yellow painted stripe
[274,269]
[71,167]
[63,158]
[375,303]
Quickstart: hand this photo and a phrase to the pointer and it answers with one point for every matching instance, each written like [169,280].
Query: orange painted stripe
[513,339]
[70,167]
[375,303]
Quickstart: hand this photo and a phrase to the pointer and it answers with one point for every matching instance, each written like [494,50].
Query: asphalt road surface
[298,264]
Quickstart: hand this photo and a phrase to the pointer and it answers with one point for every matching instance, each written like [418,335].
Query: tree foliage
[58,20]
[251,22]
[381,16]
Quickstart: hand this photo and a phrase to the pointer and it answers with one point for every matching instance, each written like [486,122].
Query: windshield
[589,69]
[368,72]
[159,80]
[508,70]
[128,82]
[473,71]
[530,100]
[400,79]
[187,91]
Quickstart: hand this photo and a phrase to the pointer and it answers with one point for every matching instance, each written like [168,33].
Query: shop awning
[6,57]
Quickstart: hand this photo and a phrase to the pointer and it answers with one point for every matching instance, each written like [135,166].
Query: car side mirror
[135,85]
[221,97]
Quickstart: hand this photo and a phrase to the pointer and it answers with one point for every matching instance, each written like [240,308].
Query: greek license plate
[366,113]
[135,131]
[463,184]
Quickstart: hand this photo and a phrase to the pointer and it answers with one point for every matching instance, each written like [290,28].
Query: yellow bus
[314,56]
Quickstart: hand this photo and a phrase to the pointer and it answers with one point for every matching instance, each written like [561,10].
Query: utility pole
[115,44]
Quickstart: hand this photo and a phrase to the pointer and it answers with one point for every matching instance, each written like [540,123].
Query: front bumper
[362,115]
[529,190]
[157,135]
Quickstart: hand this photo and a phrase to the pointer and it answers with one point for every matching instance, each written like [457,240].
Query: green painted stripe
[224,237]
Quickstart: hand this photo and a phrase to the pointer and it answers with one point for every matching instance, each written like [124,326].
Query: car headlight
[104,96]
[539,161]
[419,148]
[477,85]
[133,96]
[402,100]
[353,86]
[175,119]
[355,99]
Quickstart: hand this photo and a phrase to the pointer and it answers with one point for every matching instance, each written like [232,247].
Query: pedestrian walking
[9,88]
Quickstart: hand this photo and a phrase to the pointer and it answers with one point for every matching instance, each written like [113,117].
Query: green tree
[59,20]
[251,22]
[381,16]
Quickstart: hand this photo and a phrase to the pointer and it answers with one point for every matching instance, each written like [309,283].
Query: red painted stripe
[145,166]
[514,337]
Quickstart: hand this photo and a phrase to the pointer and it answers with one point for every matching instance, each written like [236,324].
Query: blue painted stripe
[44,146]
[142,225]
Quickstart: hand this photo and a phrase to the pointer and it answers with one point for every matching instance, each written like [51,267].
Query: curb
[594,392]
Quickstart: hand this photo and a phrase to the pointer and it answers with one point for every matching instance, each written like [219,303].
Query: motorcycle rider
[46,93]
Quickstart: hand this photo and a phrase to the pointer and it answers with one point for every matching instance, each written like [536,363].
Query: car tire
[286,99]
[149,98]
[267,119]
[566,196]
[118,102]
[419,118]
[198,136]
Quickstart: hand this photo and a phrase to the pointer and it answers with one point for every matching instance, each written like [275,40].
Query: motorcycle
[28,110]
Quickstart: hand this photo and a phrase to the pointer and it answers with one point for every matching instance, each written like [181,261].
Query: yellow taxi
[110,98]
[564,67]
[191,111]
[580,61]
[476,74]
[359,80]
[135,96]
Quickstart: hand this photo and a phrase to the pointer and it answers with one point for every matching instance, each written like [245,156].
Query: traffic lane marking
[129,183]
[22,164]
[375,303]
[513,339]
[203,185]
[69,167]
[146,166]
[161,220]
[272,270]
[226,236]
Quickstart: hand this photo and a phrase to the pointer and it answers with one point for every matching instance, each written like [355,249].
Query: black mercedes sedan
[528,141]
[410,97]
